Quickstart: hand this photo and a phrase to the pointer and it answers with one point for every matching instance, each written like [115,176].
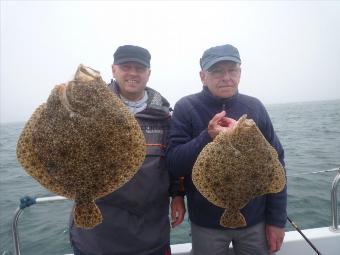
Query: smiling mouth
[132,82]
[222,87]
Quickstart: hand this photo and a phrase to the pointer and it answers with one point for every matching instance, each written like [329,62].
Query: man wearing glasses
[135,217]
[196,121]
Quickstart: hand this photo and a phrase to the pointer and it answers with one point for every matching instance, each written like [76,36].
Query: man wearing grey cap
[196,121]
[135,217]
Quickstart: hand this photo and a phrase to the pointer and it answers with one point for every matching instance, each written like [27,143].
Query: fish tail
[232,219]
[87,215]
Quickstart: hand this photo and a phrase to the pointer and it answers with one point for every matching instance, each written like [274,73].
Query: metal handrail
[334,201]
[26,202]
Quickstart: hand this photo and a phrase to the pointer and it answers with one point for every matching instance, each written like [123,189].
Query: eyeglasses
[221,72]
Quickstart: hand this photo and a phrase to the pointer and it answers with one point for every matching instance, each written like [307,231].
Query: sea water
[309,133]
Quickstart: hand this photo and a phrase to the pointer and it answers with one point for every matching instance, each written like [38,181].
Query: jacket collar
[156,104]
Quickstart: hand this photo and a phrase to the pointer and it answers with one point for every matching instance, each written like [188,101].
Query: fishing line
[316,172]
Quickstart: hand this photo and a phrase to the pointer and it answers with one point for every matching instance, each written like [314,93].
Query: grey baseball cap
[219,53]
[131,53]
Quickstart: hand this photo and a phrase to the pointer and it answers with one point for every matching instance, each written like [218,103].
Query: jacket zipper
[223,107]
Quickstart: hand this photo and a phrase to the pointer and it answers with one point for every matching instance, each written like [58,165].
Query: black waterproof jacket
[135,217]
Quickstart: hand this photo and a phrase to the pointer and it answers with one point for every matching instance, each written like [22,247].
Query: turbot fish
[236,167]
[83,144]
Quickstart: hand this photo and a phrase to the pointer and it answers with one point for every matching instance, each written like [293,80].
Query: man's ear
[202,76]
[113,68]
[148,75]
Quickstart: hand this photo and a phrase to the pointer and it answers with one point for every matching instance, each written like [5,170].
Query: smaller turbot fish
[237,167]
[83,144]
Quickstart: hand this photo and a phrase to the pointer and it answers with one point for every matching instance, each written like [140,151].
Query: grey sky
[290,50]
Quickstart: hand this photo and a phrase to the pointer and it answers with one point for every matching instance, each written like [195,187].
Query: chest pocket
[155,140]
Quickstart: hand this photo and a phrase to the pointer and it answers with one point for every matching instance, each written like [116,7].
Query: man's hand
[220,123]
[275,237]
[177,210]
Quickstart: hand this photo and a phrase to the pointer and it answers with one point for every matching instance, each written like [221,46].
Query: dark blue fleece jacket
[188,135]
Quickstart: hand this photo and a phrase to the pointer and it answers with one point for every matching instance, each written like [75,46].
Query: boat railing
[28,201]
[334,200]
[334,203]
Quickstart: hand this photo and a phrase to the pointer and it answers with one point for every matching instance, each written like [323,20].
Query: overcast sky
[290,51]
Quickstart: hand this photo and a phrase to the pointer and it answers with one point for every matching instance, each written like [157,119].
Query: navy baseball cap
[219,53]
[131,53]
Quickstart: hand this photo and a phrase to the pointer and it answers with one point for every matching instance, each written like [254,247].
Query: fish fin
[87,215]
[232,219]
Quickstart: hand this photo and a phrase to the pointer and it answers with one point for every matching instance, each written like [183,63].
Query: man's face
[131,78]
[222,79]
